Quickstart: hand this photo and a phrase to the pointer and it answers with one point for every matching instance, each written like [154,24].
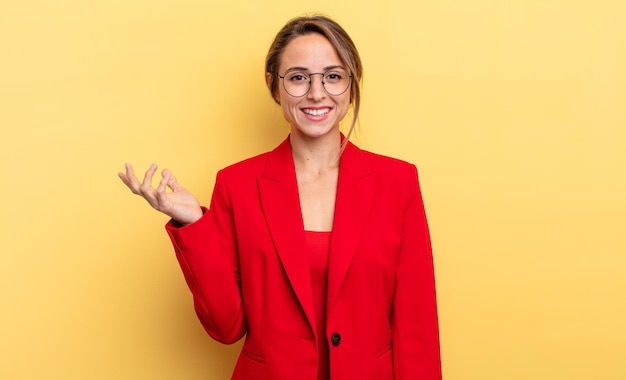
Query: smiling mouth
[316,112]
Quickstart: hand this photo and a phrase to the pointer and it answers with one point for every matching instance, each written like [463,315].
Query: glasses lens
[335,81]
[296,83]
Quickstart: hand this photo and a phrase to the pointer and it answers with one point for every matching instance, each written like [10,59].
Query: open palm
[179,203]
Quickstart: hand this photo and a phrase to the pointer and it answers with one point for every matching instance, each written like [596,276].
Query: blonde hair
[337,37]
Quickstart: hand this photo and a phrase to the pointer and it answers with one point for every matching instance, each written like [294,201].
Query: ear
[268,82]
[268,78]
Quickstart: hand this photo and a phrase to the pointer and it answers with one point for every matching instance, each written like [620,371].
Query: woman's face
[317,113]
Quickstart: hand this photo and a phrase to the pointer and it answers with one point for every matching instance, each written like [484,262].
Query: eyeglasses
[298,83]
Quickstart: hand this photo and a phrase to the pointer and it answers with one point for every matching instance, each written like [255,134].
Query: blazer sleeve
[207,253]
[415,331]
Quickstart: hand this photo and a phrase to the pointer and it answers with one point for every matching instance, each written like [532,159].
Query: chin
[314,130]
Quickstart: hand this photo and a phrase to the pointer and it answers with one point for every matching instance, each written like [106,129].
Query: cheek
[287,108]
[288,102]
[344,103]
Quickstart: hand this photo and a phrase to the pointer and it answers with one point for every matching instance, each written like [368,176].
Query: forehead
[311,51]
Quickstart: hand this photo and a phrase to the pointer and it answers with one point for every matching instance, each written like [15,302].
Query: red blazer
[246,264]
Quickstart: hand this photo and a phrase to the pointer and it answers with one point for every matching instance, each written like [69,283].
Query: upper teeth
[318,112]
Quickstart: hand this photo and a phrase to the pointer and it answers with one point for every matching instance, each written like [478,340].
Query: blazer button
[335,339]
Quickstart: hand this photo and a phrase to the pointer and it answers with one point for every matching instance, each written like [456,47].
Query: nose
[316,90]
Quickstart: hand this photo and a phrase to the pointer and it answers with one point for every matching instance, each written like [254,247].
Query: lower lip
[316,118]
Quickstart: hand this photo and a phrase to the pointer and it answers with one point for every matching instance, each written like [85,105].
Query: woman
[317,252]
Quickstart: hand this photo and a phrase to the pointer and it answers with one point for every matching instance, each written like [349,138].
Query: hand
[179,204]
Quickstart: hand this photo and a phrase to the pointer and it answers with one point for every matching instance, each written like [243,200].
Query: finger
[124,178]
[146,186]
[172,182]
[163,183]
[126,181]
[129,178]
[161,195]
[129,169]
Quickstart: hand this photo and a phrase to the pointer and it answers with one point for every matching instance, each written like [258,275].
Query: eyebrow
[300,68]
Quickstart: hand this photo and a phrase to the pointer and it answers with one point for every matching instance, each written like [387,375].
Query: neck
[316,153]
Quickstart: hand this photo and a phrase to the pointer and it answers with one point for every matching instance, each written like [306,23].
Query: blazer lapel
[278,189]
[355,191]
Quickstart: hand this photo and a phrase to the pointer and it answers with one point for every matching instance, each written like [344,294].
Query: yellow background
[514,112]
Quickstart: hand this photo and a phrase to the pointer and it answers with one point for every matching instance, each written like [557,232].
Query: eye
[297,77]
[334,76]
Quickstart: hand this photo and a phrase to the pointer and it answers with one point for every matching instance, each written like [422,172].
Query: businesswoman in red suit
[317,252]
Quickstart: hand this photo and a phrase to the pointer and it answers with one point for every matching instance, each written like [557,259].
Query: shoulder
[239,178]
[393,177]
[251,165]
[254,166]
[388,167]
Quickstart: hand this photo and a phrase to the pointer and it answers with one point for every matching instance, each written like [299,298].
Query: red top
[250,245]
[318,244]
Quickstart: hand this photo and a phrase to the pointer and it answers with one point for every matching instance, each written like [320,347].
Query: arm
[205,245]
[207,253]
[415,331]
